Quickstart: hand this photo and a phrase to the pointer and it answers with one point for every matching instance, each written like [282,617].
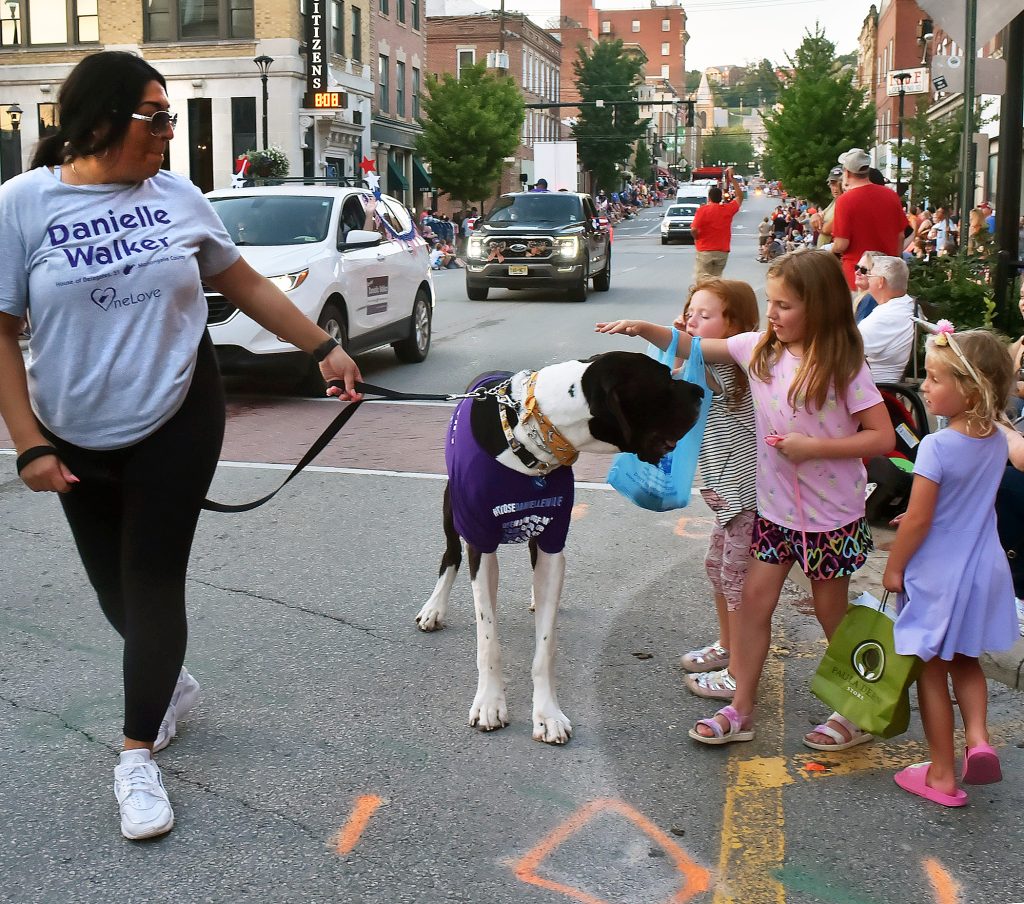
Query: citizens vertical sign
[318,96]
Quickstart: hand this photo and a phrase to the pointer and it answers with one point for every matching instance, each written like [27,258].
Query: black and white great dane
[509,455]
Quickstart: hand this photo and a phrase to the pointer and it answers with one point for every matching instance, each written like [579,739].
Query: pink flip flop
[981,766]
[915,780]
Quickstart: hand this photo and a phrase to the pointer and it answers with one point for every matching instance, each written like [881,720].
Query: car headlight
[289,281]
[476,247]
[567,247]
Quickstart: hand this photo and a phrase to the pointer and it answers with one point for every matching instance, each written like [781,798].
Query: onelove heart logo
[104,298]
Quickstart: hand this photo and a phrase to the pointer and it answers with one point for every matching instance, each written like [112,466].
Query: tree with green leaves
[728,146]
[821,114]
[933,153]
[479,111]
[605,135]
[642,161]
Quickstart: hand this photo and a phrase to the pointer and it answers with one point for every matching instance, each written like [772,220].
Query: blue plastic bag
[667,485]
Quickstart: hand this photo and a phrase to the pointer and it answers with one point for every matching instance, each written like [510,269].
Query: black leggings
[133,517]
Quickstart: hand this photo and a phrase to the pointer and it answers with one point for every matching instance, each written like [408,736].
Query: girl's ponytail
[49,151]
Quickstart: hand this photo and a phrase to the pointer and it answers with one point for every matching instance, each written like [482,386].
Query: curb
[1006,667]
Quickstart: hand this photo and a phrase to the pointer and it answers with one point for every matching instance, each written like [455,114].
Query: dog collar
[564,451]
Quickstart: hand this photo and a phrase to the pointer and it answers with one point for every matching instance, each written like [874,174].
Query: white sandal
[707,659]
[718,685]
[856,736]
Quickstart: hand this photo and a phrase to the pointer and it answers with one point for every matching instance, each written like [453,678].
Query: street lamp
[263,64]
[12,7]
[902,78]
[14,112]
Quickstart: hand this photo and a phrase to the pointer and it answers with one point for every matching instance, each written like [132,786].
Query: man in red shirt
[712,229]
[868,217]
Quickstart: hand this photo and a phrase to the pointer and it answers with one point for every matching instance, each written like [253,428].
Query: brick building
[401,57]
[659,31]
[532,58]
[206,53]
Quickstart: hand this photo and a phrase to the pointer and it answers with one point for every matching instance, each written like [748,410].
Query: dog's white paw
[430,617]
[488,712]
[551,726]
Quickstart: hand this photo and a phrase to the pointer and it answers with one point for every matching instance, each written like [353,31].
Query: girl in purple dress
[948,564]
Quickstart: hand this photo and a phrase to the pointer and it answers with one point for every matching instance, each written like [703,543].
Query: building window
[399,88]
[383,7]
[415,93]
[464,58]
[664,70]
[400,10]
[197,20]
[338,27]
[606,27]
[383,67]
[243,127]
[665,48]
[666,25]
[414,6]
[41,22]
[49,120]
[357,34]
[635,26]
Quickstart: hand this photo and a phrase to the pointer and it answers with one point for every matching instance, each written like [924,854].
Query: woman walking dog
[121,411]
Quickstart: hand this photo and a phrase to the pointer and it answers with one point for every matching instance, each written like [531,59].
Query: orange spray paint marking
[350,833]
[946,888]
[579,510]
[683,525]
[696,878]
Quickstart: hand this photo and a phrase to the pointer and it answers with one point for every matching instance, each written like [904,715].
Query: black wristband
[30,455]
[324,349]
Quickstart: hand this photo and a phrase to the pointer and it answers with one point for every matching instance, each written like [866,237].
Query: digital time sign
[328,100]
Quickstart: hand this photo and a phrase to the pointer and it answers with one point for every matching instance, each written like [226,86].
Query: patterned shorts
[728,557]
[830,553]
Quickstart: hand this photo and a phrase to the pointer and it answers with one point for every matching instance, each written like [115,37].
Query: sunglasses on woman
[159,122]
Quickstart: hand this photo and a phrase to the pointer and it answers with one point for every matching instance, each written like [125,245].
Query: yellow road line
[753,841]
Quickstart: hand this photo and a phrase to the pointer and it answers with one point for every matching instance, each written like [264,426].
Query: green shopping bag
[861,676]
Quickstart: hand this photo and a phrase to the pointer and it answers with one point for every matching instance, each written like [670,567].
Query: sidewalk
[1007,668]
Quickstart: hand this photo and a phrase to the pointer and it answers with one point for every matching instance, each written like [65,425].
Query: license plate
[518,270]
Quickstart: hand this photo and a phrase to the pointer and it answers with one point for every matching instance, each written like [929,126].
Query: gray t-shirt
[110,276]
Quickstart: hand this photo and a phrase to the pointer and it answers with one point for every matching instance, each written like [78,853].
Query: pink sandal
[856,736]
[981,766]
[914,779]
[736,730]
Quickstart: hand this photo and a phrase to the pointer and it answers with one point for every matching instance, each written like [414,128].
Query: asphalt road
[330,758]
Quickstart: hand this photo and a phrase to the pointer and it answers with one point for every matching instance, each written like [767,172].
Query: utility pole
[967,148]
[902,78]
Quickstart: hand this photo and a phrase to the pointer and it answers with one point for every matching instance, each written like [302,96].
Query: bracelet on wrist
[324,349]
[30,455]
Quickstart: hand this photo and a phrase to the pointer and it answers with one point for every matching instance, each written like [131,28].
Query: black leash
[334,428]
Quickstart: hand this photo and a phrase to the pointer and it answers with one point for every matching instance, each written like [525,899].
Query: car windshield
[539,207]
[274,219]
[680,211]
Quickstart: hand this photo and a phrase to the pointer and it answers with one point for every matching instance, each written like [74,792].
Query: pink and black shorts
[829,554]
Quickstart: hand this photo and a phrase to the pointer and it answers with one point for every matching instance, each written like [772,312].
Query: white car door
[366,273]
[410,261]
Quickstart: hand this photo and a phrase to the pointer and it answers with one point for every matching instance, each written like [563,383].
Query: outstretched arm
[715,351]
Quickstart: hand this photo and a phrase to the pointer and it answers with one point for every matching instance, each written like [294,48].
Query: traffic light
[689,113]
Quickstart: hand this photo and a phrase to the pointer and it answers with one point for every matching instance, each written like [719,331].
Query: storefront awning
[420,177]
[395,178]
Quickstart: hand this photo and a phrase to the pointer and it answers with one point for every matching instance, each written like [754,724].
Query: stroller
[890,477]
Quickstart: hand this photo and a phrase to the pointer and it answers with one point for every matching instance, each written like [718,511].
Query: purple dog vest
[493,504]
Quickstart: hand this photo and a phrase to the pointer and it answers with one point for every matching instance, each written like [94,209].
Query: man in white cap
[868,217]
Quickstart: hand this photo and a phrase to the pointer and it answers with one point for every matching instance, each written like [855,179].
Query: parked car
[539,240]
[365,288]
[677,222]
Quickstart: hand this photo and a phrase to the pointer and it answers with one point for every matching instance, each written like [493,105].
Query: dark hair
[715,195]
[95,105]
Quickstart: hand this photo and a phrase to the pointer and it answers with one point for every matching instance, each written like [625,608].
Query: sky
[738,31]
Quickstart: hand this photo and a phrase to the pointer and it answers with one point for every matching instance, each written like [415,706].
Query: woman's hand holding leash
[339,366]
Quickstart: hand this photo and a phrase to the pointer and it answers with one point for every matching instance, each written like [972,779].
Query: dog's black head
[636,405]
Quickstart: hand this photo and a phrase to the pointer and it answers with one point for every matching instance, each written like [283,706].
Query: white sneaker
[186,693]
[139,789]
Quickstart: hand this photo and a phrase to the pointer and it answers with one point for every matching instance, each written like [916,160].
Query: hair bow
[943,331]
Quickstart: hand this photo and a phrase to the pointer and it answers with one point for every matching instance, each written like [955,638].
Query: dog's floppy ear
[616,410]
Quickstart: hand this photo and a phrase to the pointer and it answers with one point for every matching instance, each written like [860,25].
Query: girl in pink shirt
[817,414]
